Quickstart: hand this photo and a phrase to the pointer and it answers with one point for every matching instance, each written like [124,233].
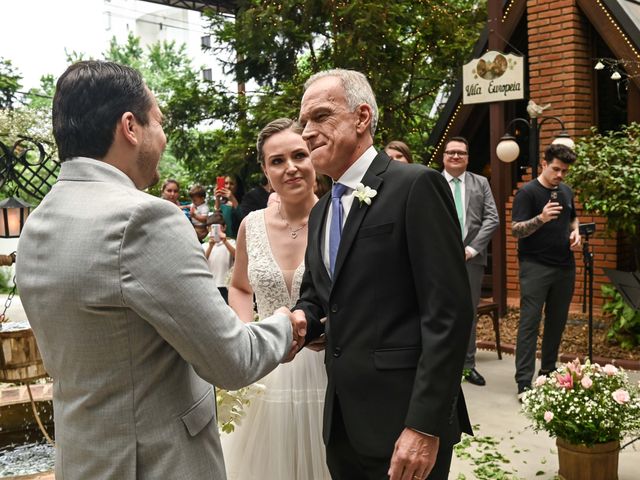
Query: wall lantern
[13,214]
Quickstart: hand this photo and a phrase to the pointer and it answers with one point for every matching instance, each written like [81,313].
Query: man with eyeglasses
[478,218]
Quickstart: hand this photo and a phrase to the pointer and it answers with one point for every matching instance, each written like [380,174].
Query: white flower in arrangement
[231,405]
[364,194]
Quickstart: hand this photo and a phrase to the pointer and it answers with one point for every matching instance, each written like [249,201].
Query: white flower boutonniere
[364,194]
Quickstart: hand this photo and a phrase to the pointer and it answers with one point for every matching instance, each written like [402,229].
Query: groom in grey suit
[478,217]
[130,324]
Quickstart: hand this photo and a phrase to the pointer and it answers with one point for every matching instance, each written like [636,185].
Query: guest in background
[399,151]
[256,198]
[478,218]
[220,253]
[227,201]
[199,210]
[171,191]
[546,226]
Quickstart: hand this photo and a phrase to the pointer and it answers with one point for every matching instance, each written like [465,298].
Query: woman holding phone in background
[228,194]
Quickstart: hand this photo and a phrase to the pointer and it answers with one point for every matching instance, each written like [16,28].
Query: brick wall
[560,73]
[560,66]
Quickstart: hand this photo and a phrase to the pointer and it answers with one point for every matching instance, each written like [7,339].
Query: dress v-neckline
[275,260]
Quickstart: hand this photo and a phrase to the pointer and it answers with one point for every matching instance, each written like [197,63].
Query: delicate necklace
[292,232]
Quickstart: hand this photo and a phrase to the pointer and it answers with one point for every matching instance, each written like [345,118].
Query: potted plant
[589,409]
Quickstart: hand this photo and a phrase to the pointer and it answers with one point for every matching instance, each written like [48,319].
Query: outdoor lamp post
[13,213]
[508,150]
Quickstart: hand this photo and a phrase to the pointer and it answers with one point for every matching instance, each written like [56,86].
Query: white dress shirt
[351,178]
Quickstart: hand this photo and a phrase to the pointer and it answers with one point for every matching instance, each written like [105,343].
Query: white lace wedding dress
[280,438]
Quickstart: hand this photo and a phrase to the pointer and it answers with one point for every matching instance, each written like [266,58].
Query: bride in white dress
[280,437]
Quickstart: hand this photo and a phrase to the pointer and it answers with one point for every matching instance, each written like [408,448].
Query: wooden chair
[488,307]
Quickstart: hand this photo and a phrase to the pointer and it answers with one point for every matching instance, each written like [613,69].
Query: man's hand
[551,211]
[318,344]
[574,238]
[414,456]
[299,328]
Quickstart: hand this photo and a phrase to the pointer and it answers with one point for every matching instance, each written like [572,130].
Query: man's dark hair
[561,152]
[90,98]
[457,139]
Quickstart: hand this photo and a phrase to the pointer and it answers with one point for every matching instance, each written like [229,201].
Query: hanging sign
[494,77]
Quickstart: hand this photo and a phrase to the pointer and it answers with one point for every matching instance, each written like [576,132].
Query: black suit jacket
[398,311]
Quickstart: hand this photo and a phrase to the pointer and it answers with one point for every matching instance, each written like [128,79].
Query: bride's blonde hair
[273,127]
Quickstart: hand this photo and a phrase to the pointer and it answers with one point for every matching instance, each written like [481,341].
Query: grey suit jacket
[133,330]
[481,216]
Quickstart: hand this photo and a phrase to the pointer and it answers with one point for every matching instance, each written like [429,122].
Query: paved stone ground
[495,410]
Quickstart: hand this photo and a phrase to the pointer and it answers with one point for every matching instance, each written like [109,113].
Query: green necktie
[457,196]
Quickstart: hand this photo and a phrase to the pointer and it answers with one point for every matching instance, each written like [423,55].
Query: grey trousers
[551,287]
[475,272]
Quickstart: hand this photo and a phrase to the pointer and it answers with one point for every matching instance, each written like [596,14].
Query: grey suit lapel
[468,193]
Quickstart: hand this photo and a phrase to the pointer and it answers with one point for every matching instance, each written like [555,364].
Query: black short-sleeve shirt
[549,244]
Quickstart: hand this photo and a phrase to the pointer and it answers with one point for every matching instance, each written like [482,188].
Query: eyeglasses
[454,153]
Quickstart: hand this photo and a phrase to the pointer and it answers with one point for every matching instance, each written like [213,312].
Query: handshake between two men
[299,330]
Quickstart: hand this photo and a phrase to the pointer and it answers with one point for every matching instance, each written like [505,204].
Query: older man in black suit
[385,265]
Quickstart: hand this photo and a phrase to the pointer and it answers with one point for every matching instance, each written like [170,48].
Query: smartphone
[215,230]
[556,196]
[220,182]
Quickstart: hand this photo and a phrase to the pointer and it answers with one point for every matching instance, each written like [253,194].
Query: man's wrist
[422,433]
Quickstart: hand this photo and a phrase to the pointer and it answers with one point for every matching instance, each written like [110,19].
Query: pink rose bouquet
[584,403]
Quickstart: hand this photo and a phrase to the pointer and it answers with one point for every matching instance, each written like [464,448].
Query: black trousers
[346,464]
[551,288]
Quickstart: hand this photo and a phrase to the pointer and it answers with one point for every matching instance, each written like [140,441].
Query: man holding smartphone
[220,252]
[546,226]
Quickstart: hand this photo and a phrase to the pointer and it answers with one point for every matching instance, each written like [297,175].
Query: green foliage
[409,51]
[482,453]
[606,177]
[188,104]
[625,328]
[9,84]
[41,98]
[5,280]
